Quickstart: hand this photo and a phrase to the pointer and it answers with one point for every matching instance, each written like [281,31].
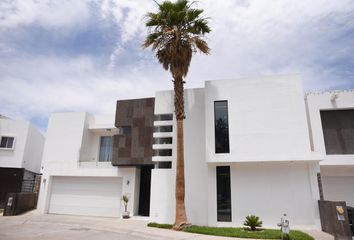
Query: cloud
[48,14]
[84,55]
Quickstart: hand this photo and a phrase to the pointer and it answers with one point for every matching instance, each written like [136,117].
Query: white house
[252,146]
[21,147]
[331,115]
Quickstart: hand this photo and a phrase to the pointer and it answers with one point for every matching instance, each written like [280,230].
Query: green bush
[253,222]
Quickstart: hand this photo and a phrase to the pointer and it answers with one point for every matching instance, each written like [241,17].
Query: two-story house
[252,146]
[21,147]
[247,151]
[81,155]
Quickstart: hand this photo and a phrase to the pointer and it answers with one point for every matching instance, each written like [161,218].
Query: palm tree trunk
[181,217]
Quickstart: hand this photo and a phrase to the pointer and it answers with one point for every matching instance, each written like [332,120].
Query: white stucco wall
[267,119]
[32,158]
[162,198]
[338,182]
[269,190]
[28,146]
[162,208]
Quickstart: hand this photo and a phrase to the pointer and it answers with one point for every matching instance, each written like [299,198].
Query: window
[125,130]
[164,140]
[164,165]
[163,152]
[7,142]
[105,149]
[221,127]
[223,191]
[164,117]
[163,129]
[338,131]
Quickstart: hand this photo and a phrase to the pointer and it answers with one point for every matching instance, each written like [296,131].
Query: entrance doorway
[145,188]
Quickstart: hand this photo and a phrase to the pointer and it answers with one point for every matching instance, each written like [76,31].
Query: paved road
[49,231]
[34,226]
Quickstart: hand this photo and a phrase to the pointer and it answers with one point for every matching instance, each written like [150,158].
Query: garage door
[339,189]
[91,196]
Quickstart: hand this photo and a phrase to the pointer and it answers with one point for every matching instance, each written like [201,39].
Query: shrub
[253,222]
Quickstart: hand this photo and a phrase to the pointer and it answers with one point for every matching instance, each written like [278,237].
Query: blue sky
[61,55]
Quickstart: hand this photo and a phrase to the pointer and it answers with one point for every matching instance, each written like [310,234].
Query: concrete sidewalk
[59,227]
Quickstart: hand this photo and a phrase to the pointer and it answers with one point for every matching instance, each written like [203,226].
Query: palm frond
[176,31]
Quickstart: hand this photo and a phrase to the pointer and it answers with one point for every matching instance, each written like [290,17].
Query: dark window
[223,193]
[338,131]
[163,129]
[105,149]
[164,165]
[164,140]
[221,127]
[164,117]
[163,152]
[125,130]
[7,142]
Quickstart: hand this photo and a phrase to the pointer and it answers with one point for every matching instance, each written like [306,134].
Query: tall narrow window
[105,149]
[223,191]
[221,127]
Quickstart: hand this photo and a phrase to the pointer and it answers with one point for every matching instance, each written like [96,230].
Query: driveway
[34,226]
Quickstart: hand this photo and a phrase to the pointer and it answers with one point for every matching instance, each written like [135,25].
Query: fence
[334,219]
[18,203]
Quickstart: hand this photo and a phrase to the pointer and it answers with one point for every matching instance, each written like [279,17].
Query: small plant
[125,201]
[253,222]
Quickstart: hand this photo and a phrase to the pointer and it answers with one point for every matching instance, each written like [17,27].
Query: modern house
[21,147]
[78,175]
[247,151]
[252,146]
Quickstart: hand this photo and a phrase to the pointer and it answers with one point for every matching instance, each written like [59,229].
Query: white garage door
[91,196]
[339,189]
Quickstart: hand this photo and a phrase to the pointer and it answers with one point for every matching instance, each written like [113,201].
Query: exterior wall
[71,149]
[337,171]
[162,207]
[28,146]
[134,148]
[162,200]
[267,119]
[338,182]
[269,190]
[32,158]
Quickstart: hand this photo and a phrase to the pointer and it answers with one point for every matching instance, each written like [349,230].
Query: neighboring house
[21,147]
[252,146]
[331,114]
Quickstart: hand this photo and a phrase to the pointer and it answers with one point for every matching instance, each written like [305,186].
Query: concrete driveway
[34,226]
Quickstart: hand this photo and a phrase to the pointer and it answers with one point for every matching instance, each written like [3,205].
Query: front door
[145,187]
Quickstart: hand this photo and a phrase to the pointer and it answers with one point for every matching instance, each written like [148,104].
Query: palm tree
[176,31]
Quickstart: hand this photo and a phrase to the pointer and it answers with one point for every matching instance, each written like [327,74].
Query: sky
[62,55]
